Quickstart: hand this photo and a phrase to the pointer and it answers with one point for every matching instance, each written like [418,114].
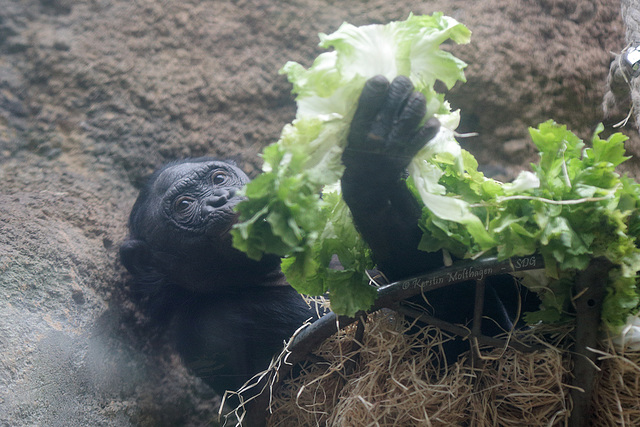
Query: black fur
[384,138]
[229,314]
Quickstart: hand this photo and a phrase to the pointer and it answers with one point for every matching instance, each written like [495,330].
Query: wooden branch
[391,296]
[464,332]
[478,308]
[590,291]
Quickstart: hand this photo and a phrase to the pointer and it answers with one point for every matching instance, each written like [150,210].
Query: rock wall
[95,94]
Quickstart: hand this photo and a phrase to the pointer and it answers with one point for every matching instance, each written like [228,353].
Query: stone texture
[95,94]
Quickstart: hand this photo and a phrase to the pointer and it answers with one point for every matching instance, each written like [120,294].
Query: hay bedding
[395,378]
[617,397]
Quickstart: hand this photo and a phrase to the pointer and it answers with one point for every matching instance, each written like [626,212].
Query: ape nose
[219,198]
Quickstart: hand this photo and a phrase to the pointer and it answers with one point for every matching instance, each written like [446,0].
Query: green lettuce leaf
[573,205]
[284,213]
[572,208]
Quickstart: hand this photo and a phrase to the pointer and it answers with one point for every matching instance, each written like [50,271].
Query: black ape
[385,136]
[230,314]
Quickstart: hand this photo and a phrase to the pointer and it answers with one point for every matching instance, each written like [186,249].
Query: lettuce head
[294,209]
[573,205]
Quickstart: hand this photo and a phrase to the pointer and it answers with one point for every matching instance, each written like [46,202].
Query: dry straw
[617,397]
[396,377]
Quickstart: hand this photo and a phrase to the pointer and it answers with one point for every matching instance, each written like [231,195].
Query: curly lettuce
[293,208]
[573,205]
[571,208]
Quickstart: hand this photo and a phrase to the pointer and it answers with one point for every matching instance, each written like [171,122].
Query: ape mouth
[221,221]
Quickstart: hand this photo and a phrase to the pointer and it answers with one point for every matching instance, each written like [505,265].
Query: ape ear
[135,255]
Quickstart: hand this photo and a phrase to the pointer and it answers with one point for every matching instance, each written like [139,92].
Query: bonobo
[385,136]
[228,314]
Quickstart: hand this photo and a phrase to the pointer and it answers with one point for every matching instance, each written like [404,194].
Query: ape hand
[385,133]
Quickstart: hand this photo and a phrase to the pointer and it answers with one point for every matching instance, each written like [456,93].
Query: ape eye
[219,177]
[182,204]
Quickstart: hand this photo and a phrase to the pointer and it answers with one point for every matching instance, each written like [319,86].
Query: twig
[390,296]
[590,287]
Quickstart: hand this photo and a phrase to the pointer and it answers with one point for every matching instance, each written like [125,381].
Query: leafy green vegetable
[572,207]
[285,213]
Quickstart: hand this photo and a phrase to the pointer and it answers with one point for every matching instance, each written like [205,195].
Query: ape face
[180,228]
[197,197]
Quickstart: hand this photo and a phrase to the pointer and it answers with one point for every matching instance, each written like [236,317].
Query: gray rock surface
[95,94]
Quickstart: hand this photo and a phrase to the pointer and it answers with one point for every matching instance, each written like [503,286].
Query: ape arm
[385,135]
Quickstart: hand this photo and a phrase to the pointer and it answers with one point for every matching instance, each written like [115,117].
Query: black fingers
[400,91]
[426,133]
[387,121]
[409,118]
[373,95]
